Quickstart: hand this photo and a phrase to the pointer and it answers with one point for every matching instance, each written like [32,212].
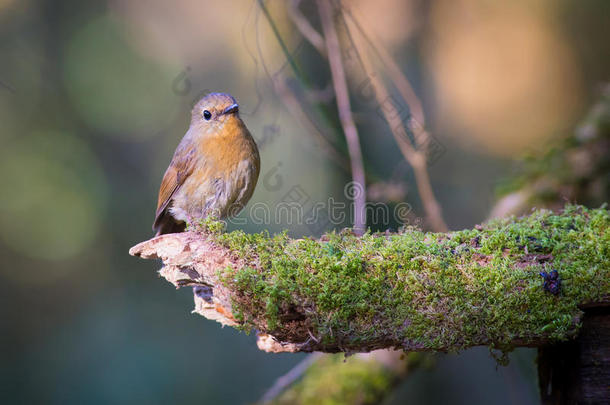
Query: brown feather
[179,169]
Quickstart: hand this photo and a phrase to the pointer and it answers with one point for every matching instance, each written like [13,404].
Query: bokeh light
[56,196]
[115,89]
[506,81]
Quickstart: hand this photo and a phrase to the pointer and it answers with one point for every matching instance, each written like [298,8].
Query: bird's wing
[179,169]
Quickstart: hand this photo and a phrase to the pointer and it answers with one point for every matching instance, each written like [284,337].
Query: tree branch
[345,112]
[285,381]
[415,156]
[413,291]
[358,380]
[305,28]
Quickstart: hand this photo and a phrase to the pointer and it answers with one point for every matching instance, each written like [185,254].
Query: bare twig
[345,114]
[399,79]
[393,70]
[415,157]
[296,109]
[305,28]
[290,99]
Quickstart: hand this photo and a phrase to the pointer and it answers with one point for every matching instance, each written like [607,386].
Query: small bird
[214,169]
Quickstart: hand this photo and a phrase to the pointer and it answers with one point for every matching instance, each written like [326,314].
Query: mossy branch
[411,290]
[357,380]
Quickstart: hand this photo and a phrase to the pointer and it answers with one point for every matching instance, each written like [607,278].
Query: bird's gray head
[214,110]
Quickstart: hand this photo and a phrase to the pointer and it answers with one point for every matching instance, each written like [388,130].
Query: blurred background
[95,96]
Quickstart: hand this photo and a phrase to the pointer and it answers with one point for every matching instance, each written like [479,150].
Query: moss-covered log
[411,290]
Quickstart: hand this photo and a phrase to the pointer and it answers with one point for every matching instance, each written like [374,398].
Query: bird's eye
[207,115]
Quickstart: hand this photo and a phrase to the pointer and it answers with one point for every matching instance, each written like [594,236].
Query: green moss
[209,224]
[333,380]
[435,291]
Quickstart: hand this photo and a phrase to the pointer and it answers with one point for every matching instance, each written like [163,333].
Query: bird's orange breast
[225,174]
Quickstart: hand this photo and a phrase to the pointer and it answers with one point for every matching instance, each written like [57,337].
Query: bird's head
[214,111]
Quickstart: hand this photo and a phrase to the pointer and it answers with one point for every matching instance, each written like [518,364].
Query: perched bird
[214,169]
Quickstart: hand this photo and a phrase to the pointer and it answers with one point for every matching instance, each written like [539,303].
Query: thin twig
[287,94]
[290,377]
[402,83]
[296,109]
[282,44]
[305,28]
[416,158]
[393,70]
[319,113]
[422,137]
[345,112]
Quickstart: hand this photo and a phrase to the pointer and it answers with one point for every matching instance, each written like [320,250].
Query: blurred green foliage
[113,88]
[58,195]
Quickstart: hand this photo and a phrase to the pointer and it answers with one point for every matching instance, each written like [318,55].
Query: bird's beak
[233,108]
